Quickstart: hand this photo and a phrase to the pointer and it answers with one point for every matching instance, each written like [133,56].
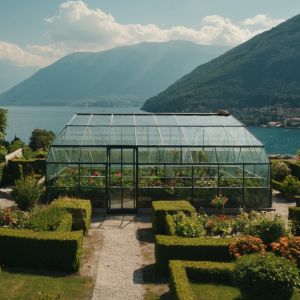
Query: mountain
[120,76]
[262,72]
[11,75]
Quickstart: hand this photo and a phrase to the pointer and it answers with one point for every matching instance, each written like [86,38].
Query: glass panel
[128,198]
[92,176]
[115,198]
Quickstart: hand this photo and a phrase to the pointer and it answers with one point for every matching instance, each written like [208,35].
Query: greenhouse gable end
[123,162]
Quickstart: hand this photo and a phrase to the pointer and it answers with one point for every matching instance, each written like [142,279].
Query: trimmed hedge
[294,215]
[160,210]
[295,168]
[58,251]
[196,249]
[80,209]
[170,225]
[181,272]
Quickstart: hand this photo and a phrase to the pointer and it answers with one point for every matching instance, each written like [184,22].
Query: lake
[22,120]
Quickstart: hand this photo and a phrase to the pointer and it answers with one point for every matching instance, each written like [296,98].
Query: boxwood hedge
[181,272]
[160,210]
[195,249]
[59,251]
[80,209]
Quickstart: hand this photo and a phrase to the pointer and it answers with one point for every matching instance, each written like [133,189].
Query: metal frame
[136,164]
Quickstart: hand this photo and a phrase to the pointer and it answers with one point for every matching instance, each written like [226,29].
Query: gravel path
[5,200]
[119,270]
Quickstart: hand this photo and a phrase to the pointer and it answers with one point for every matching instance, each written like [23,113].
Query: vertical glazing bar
[243,195]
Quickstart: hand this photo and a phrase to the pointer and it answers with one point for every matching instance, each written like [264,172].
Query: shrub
[174,247]
[220,225]
[59,251]
[280,170]
[182,272]
[290,187]
[160,210]
[26,193]
[268,227]
[294,217]
[259,275]
[13,217]
[80,209]
[288,247]
[219,201]
[50,218]
[188,225]
[246,245]
[41,139]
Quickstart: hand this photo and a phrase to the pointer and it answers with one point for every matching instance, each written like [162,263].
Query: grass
[16,284]
[205,291]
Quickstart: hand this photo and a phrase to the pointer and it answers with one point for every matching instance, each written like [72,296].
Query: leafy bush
[259,275]
[13,217]
[268,227]
[294,217]
[3,152]
[220,225]
[26,193]
[160,210]
[280,170]
[219,201]
[80,209]
[59,251]
[290,187]
[246,245]
[188,226]
[50,218]
[288,247]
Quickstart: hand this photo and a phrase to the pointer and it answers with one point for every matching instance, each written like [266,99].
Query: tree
[3,123]
[41,139]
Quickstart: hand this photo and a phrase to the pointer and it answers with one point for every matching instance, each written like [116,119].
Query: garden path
[5,200]
[119,270]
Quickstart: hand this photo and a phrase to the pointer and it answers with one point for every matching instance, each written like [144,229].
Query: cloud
[76,27]
[15,55]
[262,21]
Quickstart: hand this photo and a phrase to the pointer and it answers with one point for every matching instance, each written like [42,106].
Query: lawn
[205,291]
[18,285]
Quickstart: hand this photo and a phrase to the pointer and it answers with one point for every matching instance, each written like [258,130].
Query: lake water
[22,120]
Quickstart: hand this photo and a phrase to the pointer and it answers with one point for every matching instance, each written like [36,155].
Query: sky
[35,33]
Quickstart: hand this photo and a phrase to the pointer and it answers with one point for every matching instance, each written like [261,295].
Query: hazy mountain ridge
[264,71]
[123,75]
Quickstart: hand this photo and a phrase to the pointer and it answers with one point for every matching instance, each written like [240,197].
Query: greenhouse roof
[180,130]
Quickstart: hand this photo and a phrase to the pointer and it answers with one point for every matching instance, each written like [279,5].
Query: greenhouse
[123,162]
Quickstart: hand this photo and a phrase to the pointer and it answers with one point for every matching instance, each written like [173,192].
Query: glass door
[122,180]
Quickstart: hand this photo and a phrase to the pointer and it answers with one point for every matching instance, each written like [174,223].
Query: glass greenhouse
[122,162]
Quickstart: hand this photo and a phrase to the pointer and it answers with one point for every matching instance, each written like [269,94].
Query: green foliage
[3,123]
[50,218]
[80,209]
[294,217]
[183,272]
[202,249]
[161,208]
[3,152]
[41,139]
[290,187]
[15,144]
[12,217]
[268,227]
[257,275]
[26,193]
[280,170]
[58,251]
[220,225]
[261,72]
[188,225]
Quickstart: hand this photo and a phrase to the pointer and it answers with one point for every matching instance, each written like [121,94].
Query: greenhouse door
[121,183]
